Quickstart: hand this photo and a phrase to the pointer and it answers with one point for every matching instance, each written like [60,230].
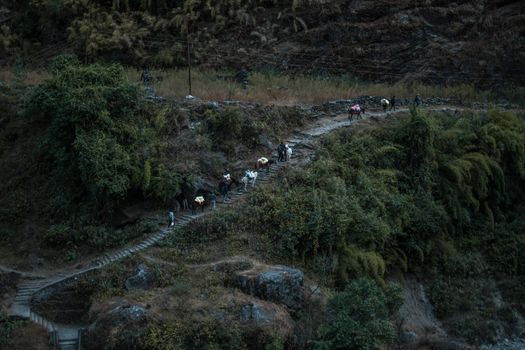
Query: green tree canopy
[360,317]
[97,129]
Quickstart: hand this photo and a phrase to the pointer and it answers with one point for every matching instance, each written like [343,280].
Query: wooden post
[189,58]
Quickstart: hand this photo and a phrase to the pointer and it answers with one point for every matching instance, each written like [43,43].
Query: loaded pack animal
[385,103]
[264,163]
[187,198]
[355,110]
[225,185]
[249,178]
[198,202]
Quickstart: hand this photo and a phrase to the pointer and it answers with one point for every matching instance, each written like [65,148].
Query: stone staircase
[67,337]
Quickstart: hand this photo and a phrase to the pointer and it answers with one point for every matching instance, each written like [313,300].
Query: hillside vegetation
[85,144]
[434,195]
[437,196]
[405,230]
[434,41]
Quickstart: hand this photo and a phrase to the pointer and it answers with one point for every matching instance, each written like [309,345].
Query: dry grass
[277,89]
[287,90]
[31,78]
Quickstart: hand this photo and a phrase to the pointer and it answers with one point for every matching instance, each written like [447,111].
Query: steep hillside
[434,41]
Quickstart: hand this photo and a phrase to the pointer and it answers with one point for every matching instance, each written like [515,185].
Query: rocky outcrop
[280,284]
[121,323]
[434,41]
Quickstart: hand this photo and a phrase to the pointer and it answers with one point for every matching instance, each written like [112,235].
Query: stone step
[24,300]
[31,285]
[23,296]
[68,344]
[26,292]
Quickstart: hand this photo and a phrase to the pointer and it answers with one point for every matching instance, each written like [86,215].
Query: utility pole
[189,58]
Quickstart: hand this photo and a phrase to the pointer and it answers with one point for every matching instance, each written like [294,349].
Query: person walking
[393,103]
[171,218]
[281,152]
[417,101]
[213,200]
[225,187]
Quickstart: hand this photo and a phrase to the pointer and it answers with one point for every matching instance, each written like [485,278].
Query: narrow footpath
[67,337]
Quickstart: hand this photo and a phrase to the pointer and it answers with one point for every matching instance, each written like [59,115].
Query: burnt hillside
[433,41]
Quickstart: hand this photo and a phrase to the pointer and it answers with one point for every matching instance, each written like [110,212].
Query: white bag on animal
[263,160]
[199,199]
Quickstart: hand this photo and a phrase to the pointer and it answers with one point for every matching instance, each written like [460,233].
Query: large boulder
[280,284]
[119,325]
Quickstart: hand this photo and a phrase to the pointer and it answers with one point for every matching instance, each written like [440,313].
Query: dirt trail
[23,274]
[232,259]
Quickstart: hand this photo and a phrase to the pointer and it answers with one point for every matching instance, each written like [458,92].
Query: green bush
[58,235]
[359,317]
[102,143]
[423,194]
[193,334]
[229,128]
[7,326]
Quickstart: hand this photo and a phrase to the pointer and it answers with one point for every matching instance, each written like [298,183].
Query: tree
[359,317]
[97,131]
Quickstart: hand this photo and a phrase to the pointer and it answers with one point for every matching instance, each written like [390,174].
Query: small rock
[213,105]
[408,337]
[141,280]
[254,312]
[134,312]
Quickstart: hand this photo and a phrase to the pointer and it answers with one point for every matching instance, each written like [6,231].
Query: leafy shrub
[360,317]
[230,127]
[101,140]
[193,334]
[426,192]
[7,326]
[58,235]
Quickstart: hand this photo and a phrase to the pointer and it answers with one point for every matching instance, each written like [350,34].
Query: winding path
[68,336]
